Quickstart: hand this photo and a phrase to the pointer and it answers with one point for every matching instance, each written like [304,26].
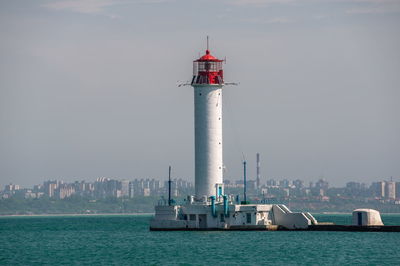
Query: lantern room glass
[206,66]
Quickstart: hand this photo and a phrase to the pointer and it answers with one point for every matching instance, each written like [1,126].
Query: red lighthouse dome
[208,70]
[207,57]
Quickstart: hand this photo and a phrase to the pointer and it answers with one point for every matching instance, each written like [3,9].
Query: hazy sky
[88,88]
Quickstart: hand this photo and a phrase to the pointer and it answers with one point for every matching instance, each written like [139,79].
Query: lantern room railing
[199,80]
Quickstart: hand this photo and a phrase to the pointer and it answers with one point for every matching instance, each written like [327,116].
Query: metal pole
[169,186]
[244,181]
[258,171]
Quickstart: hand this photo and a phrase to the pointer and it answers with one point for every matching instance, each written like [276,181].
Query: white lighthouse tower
[207,81]
[211,208]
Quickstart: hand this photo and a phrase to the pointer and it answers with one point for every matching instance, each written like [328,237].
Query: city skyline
[89,88]
[140,195]
[263,179]
[229,183]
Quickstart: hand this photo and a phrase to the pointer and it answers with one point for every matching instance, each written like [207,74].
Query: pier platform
[354,228]
[318,227]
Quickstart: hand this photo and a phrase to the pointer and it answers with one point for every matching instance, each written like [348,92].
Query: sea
[126,240]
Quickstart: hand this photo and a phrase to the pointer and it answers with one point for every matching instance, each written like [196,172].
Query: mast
[258,171]
[244,181]
[169,186]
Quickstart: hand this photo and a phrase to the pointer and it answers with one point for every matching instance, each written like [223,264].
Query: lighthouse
[207,82]
[211,208]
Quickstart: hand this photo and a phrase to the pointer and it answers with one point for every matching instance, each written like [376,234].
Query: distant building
[131,189]
[146,192]
[106,187]
[271,183]
[38,188]
[239,183]
[65,191]
[124,187]
[322,184]
[251,184]
[353,186]
[50,187]
[390,190]
[11,188]
[28,194]
[298,183]
[264,191]
[397,190]
[286,192]
[320,188]
[83,188]
[356,189]
[154,186]
[284,183]
[378,189]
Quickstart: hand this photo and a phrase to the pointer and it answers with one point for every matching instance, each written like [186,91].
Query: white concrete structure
[208,140]
[207,83]
[234,217]
[210,208]
[366,217]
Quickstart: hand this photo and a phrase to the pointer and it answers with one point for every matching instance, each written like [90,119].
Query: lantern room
[207,70]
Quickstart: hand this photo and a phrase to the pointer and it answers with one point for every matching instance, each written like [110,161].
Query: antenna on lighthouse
[207,41]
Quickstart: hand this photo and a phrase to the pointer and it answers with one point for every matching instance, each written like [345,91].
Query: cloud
[262,2]
[276,20]
[320,16]
[376,10]
[348,6]
[279,20]
[82,6]
[374,1]
[374,7]
[283,2]
[95,6]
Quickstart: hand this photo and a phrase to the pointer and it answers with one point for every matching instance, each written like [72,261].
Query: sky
[89,89]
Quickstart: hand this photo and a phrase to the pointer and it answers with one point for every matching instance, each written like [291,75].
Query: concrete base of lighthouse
[220,216]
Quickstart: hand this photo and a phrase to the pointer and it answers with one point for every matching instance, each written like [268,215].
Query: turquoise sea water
[126,240]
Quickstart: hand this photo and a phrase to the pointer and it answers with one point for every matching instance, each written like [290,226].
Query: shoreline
[77,214]
[140,214]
